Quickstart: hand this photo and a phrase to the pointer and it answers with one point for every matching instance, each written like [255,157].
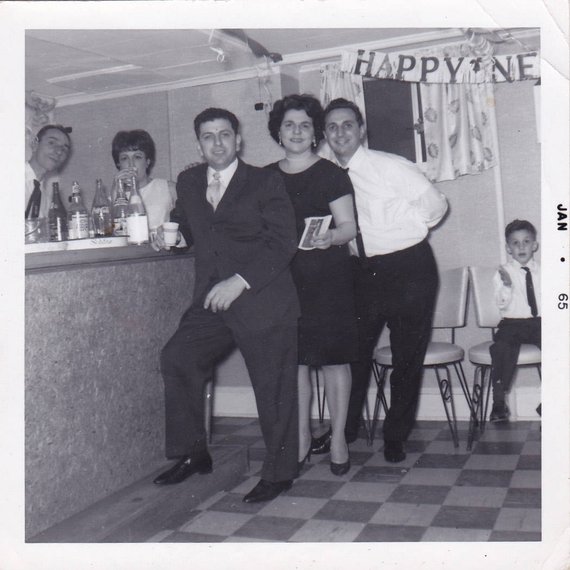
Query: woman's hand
[323,241]
[157,239]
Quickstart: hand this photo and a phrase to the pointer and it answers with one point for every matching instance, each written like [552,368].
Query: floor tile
[441,534]
[420,476]
[531,448]
[159,536]
[316,489]
[498,448]
[514,536]
[442,461]
[523,498]
[193,537]
[416,445]
[484,478]
[390,533]
[466,517]
[529,462]
[360,457]
[212,522]
[327,531]
[501,462]
[273,528]
[373,492]
[368,474]
[253,429]
[234,538]
[419,494]
[530,479]
[476,497]
[516,434]
[444,447]
[534,435]
[527,520]
[405,514]
[424,434]
[322,472]
[377,460]
[445,435]
[293,507]
[351,511]
[233,503]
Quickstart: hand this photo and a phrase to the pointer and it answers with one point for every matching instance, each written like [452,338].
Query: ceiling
[68,63]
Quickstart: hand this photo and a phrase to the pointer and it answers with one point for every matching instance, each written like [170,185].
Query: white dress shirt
[512,301]
[396,203]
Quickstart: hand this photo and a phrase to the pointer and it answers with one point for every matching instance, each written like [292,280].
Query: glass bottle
[137,221]
[57,216]
[77,215]
[120,207]
[101,212]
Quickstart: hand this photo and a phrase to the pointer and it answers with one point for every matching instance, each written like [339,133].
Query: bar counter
[95,321]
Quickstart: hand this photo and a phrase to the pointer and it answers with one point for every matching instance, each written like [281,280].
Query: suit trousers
[398,289]
[510,334]
[188,361]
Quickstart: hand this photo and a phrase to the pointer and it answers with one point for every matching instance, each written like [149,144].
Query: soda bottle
[77,215]
[57,216]
[137,221]
[120,207]
[101,212]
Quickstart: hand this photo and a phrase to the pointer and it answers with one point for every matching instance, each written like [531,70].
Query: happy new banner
[442,69]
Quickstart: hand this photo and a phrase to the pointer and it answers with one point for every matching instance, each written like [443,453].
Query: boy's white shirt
[512,301]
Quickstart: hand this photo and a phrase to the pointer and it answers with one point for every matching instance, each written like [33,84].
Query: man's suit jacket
[252,233]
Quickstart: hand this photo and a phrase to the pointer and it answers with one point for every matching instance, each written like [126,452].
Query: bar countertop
[48,261]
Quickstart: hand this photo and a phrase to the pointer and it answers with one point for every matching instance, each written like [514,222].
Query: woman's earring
[280,143]
[314,143]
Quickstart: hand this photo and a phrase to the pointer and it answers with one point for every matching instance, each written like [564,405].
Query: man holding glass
[241,223]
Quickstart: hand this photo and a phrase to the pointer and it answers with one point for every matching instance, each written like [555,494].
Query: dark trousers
[397,289]
[187,363]
[510,334]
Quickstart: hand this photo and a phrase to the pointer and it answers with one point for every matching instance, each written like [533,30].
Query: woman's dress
[323,277]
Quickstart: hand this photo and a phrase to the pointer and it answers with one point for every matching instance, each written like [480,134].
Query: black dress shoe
[184,468]
[340,468]
[322,444]
[266,491]
[394,451]
[499,413]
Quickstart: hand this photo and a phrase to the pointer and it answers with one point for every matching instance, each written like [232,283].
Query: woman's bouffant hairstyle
[134,140]
[306,103]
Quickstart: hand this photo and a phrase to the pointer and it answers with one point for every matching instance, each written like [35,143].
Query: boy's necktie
[530,292]
[214,190]
[33,207]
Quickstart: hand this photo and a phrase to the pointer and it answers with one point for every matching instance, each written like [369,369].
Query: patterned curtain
[459,123]
[335,84]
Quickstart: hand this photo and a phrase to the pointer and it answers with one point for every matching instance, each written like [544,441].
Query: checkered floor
[439,493]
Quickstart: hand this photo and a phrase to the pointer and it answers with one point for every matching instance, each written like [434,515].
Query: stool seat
[529,354]
[437,353]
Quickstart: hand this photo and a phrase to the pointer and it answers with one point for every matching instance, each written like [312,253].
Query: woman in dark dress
[327,327]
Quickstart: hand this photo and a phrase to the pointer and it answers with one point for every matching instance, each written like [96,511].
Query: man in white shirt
[517,293]
[395,273]
[50,149]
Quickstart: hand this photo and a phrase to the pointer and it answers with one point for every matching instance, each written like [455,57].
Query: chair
[449,314]
[488,316]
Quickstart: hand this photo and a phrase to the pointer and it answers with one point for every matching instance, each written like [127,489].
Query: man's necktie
[214,190]
[530,292]
[33,207]
[359,240]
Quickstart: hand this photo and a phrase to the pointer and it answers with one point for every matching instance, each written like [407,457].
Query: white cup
[170,232]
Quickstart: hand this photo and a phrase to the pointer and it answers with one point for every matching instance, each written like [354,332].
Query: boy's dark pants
[510,334]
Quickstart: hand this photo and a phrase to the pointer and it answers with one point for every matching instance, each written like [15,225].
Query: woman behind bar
[327,327]
[134,154]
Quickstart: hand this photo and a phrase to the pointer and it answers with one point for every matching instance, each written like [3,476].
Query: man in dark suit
[241,223]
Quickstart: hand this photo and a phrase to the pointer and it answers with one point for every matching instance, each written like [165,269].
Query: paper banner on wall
[421,68]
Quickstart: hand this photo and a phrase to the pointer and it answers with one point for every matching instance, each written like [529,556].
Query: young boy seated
[517,292]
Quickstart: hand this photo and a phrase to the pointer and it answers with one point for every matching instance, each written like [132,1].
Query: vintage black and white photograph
[284,283]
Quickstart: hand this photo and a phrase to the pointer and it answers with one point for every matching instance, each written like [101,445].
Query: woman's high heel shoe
[322,444]
[340,468]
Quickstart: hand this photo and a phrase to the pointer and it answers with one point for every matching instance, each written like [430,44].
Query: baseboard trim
[239,401]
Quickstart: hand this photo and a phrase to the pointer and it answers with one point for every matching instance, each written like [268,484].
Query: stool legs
[444,384]
[379,373]
[320,400]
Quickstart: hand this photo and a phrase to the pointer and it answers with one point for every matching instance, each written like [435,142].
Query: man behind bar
[241,223]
